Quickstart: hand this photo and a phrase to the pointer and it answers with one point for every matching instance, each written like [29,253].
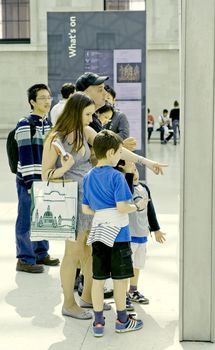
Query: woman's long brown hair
[70,119]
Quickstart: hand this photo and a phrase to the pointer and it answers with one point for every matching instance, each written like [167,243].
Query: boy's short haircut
[33,90]
[67,89]
[165,111]
[104,141]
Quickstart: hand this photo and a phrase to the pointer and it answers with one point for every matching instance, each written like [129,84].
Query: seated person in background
[66,91]
[164,122]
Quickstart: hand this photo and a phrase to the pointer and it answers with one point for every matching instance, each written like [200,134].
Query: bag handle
[50,174]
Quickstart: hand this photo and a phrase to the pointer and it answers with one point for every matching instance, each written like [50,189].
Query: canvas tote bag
[54,210]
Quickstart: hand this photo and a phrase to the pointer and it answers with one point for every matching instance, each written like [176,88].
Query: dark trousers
[169,136]
[26,250]
[175,126]
[149,133]
[162,130]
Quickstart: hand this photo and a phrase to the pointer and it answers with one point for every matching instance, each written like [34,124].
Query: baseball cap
[87,79]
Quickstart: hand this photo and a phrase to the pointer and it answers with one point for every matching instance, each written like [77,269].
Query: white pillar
[197,273]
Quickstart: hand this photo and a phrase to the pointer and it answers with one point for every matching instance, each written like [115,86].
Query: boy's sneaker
[131,325]
[129,305]
[138,298]
[98,330]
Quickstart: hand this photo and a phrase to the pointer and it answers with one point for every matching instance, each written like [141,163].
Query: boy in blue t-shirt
[107,197]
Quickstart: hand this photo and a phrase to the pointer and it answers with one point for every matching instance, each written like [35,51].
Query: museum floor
[30,305]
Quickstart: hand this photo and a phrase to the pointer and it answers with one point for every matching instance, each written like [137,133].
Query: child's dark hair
[67,89]
[176,104]
[106,108]
[165,110]
[111,91]
[33,90]
[104,141]
[119,165]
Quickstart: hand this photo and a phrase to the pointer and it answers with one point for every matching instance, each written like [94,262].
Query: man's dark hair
[106,108]
[176,104]
[104,141]
[111,91]
[67,89]
[33,90]
[165,111]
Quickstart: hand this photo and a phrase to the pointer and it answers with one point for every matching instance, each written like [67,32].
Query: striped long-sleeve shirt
[30,150]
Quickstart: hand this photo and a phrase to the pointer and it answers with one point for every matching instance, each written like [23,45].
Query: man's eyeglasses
[45,98]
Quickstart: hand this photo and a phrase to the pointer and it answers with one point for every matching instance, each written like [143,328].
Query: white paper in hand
[60,148]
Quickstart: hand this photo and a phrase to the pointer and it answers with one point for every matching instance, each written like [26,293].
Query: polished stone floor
[30,305]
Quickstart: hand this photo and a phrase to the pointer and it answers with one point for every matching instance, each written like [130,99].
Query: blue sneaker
[131,325]
[98,330]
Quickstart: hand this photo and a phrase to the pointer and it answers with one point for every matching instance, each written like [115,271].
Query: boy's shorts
[115,262]
[138,255]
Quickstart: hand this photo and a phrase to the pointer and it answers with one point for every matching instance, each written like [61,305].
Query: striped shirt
[30,150]
[106,225]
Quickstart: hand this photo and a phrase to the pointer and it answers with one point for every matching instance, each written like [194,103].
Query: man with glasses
[31,255]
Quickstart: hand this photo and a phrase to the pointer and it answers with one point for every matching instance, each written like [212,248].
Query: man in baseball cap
[87,79]
[93,85]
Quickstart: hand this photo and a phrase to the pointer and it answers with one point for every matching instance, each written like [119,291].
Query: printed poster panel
[133,113]
[127,74]
[107,43]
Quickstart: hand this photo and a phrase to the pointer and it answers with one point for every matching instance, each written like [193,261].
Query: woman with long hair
[73,130]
